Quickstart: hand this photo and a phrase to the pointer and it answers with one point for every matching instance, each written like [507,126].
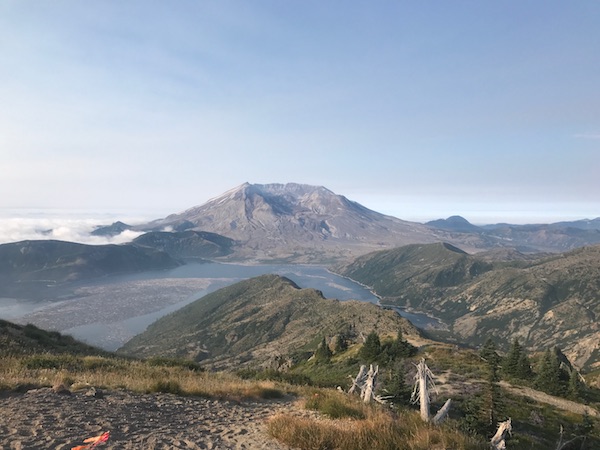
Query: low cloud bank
[15,229]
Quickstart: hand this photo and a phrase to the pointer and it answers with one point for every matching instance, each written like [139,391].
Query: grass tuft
[167,387]
[335,405]
[270,393]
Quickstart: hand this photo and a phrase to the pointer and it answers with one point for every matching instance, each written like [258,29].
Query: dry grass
[380,430]
[334,404]
[350,424]
[134,375]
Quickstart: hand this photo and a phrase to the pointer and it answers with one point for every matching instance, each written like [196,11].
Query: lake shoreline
[108,312]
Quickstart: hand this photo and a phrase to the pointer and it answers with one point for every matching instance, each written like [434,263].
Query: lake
[108,312]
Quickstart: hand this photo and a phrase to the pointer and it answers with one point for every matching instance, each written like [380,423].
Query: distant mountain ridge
[454,223]
[530,238]
[310,224]
[545,302]
[28,264]
[111,230]
[584,224]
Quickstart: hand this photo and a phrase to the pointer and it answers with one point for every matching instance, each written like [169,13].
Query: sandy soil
[558,402]
[43,419]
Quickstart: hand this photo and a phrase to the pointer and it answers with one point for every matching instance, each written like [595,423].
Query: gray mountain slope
[311,224]
[296,222]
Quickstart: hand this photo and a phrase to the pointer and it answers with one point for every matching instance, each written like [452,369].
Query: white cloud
[14,229]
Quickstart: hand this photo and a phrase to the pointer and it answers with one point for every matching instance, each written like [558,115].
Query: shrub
[270,393]
[33,332]
[297,379]
[98,363]
[166,386]
[159,361]
[48,361]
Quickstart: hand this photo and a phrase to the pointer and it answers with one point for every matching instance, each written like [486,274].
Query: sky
[420,110]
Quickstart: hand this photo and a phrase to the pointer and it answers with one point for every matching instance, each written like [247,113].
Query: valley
[294,284]
[479,280]
[110,311]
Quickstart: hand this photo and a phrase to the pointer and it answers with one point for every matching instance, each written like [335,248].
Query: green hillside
[187,244]
[257,321]
[553,301]
[16,340]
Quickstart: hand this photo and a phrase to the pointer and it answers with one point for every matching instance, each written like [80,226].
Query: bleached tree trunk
[423,396]
[368,392]
[560,445]
[423,378]
[498,442]
[366,382]
[358,382]
[423,383]
[442,413]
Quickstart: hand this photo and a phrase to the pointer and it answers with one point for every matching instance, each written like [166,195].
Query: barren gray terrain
[110,311]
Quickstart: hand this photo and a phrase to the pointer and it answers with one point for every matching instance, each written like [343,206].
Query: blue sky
[421,110]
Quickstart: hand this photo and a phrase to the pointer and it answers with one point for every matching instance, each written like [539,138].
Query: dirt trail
[542,397]
[43,419]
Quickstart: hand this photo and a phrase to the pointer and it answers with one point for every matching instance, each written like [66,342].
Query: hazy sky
[418,109]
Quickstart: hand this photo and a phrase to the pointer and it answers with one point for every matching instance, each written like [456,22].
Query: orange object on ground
[93,441]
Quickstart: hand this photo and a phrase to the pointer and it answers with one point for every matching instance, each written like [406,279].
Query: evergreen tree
[323,353]
[397,386]
[565,367]
[489,352]
[341,345]
[548,377]
[575,385]
[371,349]
[472,421]
[586,426]
[524,367]
[492,394]
[402,348]
[511,361]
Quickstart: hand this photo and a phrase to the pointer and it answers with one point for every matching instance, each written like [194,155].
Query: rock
[93,392]
[61,389]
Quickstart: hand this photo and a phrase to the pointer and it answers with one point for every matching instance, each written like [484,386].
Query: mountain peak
[290,191]
[454,223]
[293,220]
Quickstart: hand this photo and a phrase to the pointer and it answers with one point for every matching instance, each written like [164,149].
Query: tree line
[553,373]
